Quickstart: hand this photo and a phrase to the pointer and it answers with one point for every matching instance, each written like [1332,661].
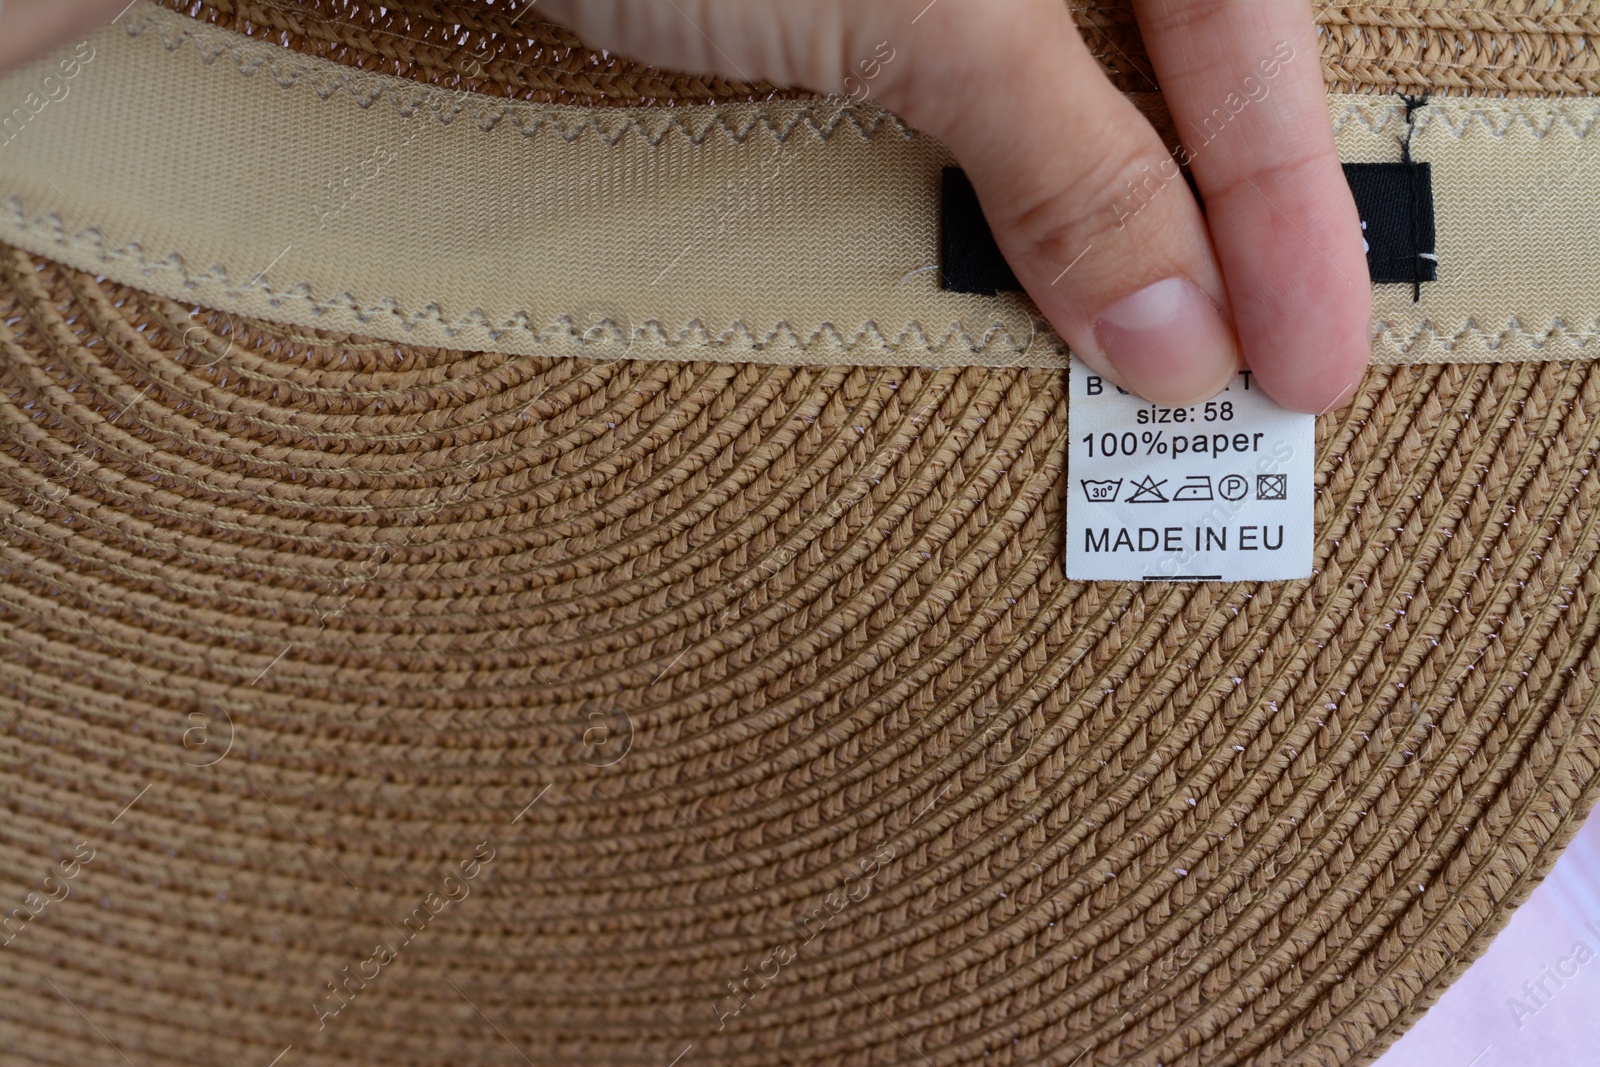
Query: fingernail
[1169,343]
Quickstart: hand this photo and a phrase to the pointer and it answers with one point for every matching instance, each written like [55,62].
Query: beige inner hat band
[202,165]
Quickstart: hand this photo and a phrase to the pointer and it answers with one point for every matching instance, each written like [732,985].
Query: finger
[791,43]
[1244,82]
[1084,200]
[30,28]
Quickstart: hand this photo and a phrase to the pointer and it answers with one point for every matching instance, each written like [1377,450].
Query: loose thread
[1412,104]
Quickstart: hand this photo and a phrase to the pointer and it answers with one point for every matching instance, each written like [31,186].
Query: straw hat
[500,700]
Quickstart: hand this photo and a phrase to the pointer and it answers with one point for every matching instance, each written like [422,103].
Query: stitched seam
[738,121]
[1499,125]
[1427,331]
[1354,64]
[1496,124]
[1404,336]
[560,328]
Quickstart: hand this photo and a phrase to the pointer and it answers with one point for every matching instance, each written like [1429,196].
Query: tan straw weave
[364,703]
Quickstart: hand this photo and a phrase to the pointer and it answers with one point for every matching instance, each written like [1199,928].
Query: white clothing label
[1218,491]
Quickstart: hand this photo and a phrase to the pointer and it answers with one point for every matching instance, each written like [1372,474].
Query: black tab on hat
[970,260]
[1396,205]
[1395,201]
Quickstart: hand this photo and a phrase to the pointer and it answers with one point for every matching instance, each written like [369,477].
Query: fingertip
[1324,394]
[1308,338]
[1315,381]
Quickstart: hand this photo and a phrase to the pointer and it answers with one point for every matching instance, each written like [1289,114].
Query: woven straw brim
[693,661]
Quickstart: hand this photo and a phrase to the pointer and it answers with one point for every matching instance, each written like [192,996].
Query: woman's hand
[1085,201]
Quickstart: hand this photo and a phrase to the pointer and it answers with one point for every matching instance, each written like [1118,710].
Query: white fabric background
[1473,1025]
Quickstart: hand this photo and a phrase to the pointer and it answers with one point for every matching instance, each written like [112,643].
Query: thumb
[1088,206]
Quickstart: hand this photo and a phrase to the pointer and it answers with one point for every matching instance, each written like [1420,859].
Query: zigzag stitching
[1496,123]
[1493,340]
[1500,123]
[1362,112]
[366,89]
[1402,337]
[562,328]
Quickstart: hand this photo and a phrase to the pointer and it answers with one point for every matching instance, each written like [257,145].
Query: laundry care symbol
[1147,491]
[1272,487]
[1101,490]
[1194,487]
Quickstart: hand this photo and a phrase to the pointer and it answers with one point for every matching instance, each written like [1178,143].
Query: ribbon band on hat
[789,231]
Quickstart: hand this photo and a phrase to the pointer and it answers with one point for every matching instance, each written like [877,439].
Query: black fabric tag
[1395,201]
[971,262]
[1396,205]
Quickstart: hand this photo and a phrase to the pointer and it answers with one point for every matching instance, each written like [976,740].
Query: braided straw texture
[1498,47]
[752,697]
[328,614]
